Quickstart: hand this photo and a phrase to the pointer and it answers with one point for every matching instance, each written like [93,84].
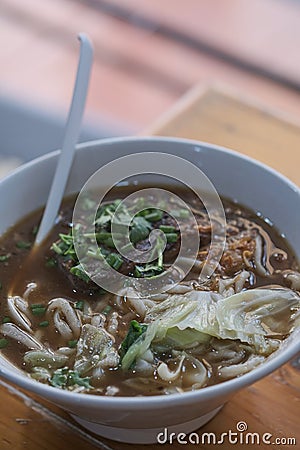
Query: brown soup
[66,331]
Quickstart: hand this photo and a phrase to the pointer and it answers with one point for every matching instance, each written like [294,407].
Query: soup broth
[64,330]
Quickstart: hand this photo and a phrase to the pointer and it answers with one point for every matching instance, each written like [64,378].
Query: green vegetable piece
[23,244]
[172,237]
[74,379]
[155,215]
[148,271]
[44,323]
[59,378]
[109,242]
[4,258]
[180,213]
[38,309]
[135,331]
[6,319]
[72,343]
[106,310]
[140,229]
[102,236]
[114,260]
[167,228]
[3,343]
[56,247]
[79,305]
[80,273]
[51,262]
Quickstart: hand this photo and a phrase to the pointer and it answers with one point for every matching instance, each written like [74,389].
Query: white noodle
[19,309]
[180,289]
[168,375]
[62,326]
[30,287]
[234,285]
[138,306]
[98,320]
[197,376]
[65,318]
[260,269]
[13,331]
[294,279]
[112,326]
[66,351]
[239,369]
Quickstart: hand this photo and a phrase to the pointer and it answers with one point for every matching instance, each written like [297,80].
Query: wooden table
[270,406]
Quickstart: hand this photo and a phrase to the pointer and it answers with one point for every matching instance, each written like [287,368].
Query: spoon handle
[70,138]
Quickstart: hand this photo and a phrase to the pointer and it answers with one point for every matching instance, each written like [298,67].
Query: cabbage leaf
[259,317]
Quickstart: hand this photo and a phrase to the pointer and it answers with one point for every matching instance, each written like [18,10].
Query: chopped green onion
[102,236]
[79,305]
[23,244]
[154,216]
[66,238]
[72,343]
[180,213]
[171,237]
[6,319]
[114,260]
[80,273]
[57,248]
[4,258]
[167,228]
[38,309]
[109,243]
[106,310]
[44,323]
[3,343]
[51,262]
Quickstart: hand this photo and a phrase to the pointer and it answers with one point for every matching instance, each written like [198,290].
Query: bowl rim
[138,402]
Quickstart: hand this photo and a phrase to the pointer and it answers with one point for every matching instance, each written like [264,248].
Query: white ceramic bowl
[140,419]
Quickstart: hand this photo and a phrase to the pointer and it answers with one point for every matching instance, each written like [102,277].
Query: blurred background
[148,54]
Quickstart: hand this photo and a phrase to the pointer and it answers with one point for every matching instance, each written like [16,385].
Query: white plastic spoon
[70,139]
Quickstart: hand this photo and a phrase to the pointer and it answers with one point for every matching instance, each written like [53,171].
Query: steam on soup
[65,331]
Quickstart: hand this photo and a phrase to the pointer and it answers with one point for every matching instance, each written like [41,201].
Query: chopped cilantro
[66,378]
